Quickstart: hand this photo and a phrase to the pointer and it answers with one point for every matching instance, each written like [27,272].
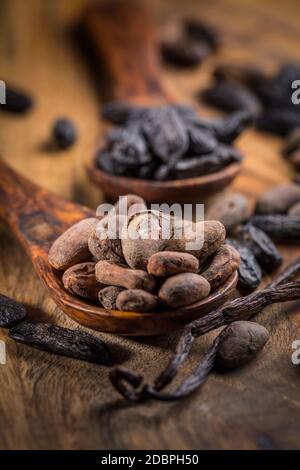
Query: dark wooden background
[49,402]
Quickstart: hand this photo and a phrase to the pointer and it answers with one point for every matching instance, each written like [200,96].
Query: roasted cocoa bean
[230,209]
[242,341]
[167,263]
[108,296]
[72,246]
[136,300]
[104,240]
[116,275]
[63,341]
[80,280]
[278,199]
[224,263]
[183,289]
[284,228]
[250,273]
[11,312]
[261,246]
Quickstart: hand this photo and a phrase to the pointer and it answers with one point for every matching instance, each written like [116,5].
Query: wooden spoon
[37,217]
[124,42]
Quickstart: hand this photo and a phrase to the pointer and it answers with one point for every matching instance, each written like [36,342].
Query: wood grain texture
[49,402]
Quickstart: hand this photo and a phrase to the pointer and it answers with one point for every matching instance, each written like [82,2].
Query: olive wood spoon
[124,42]
[37,217]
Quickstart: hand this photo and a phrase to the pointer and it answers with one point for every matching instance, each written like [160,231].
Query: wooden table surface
[50,402]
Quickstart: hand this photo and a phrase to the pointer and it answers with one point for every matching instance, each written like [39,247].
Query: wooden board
[49,402]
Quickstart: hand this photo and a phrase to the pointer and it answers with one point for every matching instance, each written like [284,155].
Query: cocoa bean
[80,280]
[72,246]
[108,296]
[295,209]
[104,240]
[183,289]
[279,199]
[136,300]
[167,263]
[230,209]
[224,263]
[116,275]
[242,341]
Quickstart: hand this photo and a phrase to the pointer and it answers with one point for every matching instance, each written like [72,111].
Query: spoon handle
[35,215]
[123,39]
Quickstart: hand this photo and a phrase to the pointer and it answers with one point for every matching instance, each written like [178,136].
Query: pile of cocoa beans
[135,272]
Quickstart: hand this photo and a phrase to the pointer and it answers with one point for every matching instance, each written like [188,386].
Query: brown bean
[167,263]
[108,296]
[116,275]
[136,300]
[183,289]
[230,209]
[292,143]
[225,262]
[104,240]
[80,280]
[72,246]
[295,209]
[279,199]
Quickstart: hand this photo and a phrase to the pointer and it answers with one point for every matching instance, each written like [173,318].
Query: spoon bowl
[37,217]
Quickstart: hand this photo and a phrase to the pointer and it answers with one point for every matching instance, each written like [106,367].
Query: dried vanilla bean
[280,290]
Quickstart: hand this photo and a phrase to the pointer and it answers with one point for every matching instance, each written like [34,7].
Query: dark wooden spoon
[37,217]
[124,42]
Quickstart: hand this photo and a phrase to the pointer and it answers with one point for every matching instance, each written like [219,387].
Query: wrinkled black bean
[231,97]
[16,101]
[279,121]
[284,228]
[11,312]
[200,141]
[165,133]
[250,273]
[128,147]
[63,341]
[182,53]
[120,113]
[261,245]
[64,133]
[199,31]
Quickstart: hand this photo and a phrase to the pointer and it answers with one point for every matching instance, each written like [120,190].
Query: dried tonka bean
[202,32]
[63,341]
[224,263]
[165,133]
[231,97]
[64,133]
[11,312]
[183,289]
[284,228]
[261,245]
[16,101]
[72,246]
[116,275]
[249,270]
[200,141]
[108,296]
[136,300]
[167,263]
[245,74]
[227,129]
[182,53]
[80,280]
[121,113]
[278,199]
[292,143]
[279,121]
[230,209]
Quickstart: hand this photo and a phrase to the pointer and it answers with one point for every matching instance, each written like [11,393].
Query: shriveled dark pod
[63,341]
[261,246]
[203,32]
[184,53]
[284,228]
[120,113]
[279,121]
[11,312]
[250,273]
